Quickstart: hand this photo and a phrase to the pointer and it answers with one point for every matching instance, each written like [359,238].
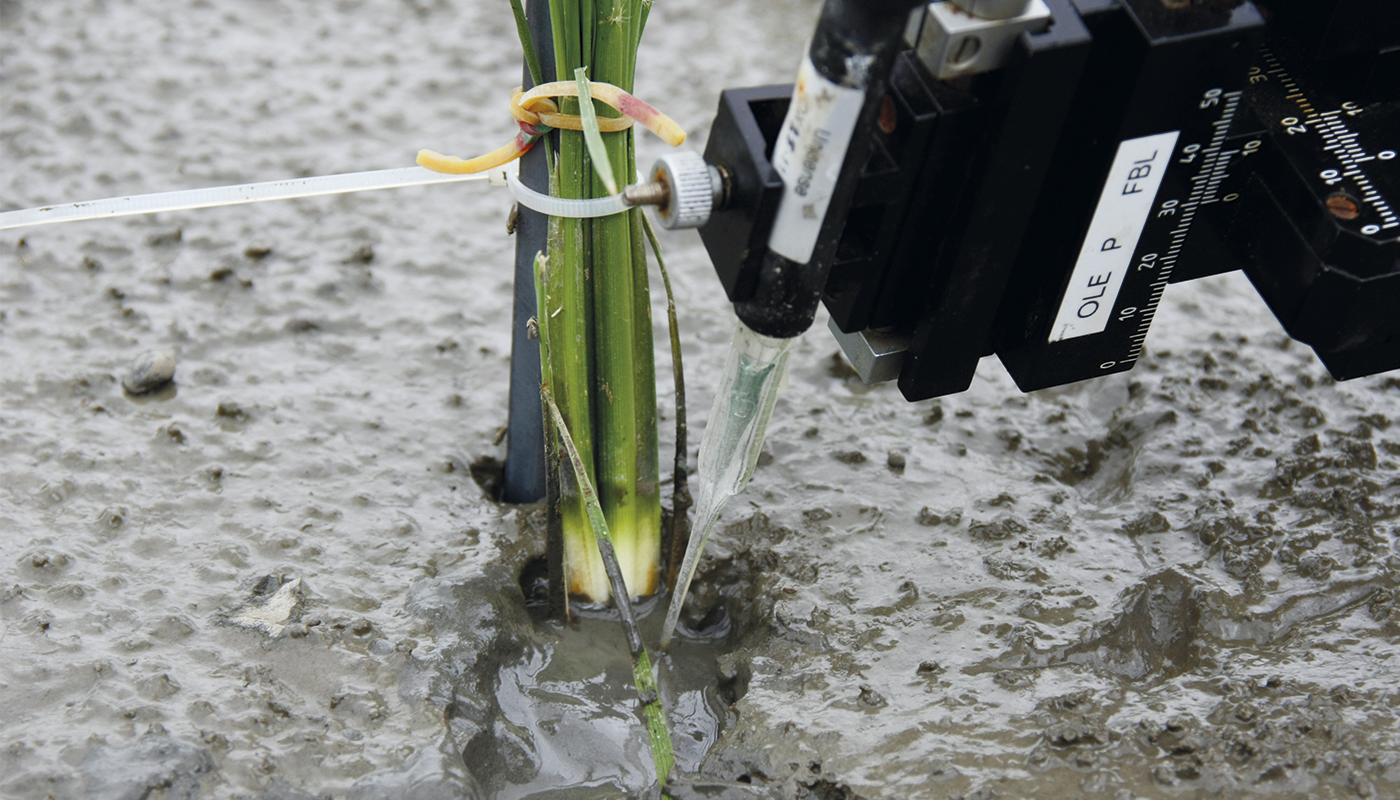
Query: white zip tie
[564,207]
[237,195]
[304,187]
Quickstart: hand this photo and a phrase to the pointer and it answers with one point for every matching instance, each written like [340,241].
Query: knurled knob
[692,189]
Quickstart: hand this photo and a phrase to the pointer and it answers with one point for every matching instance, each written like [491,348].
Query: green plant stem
[681,501]
[644,404]
[658,736]
[614,312]
[614,417]
[569,288]
[570,340]
[527,42]
[644,377]
[596,344]
[603,372]
[558,593]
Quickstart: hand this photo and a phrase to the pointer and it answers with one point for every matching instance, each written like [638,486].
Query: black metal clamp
[1032,174]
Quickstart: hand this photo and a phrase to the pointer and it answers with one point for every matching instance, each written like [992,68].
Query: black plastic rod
[524,472]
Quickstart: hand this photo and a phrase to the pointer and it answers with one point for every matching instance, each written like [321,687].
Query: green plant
[600,365]
[653,715]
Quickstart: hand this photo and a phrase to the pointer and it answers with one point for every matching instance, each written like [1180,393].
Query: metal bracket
[877,356]
[953,43]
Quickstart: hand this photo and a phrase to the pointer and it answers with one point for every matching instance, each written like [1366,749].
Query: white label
[1107,253]
[808,157]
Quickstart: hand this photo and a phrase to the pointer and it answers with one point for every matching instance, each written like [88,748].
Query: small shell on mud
[275,606]
[149,371]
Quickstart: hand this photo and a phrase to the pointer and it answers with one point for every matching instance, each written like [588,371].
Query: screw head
[693,186]
[1343,206]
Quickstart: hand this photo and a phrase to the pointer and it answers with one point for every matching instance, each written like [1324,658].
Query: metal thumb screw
[683,188]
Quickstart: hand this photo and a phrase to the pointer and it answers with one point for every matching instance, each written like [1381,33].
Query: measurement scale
[1173,157]
[1337,141]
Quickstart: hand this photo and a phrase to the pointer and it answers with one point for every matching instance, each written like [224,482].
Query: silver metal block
[954,43]
[993,9]
[915,25]
[876,356]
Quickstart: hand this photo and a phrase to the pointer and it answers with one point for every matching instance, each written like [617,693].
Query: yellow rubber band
[655,121]
[452,165]
[543,111]
[536,108]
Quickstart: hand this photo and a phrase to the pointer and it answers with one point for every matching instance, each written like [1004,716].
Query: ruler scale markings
[1339,140]
[1201,188]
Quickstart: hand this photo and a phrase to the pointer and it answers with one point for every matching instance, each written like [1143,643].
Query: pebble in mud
[896,461]
[869,698]
[928,517]
[149,371]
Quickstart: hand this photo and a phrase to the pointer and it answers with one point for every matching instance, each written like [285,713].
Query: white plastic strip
[1106,254]
[808,156]
[563,207]
[233,195]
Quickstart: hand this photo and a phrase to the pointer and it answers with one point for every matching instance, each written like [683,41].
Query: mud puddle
[536,707]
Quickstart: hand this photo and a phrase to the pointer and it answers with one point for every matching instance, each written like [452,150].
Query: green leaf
[527,42]
[591,135]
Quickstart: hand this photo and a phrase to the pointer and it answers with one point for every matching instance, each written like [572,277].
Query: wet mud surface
[274,577]
[533,705]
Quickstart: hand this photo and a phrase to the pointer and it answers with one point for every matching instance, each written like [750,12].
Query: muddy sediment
[533,706]
[275,576]
[1179,581]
